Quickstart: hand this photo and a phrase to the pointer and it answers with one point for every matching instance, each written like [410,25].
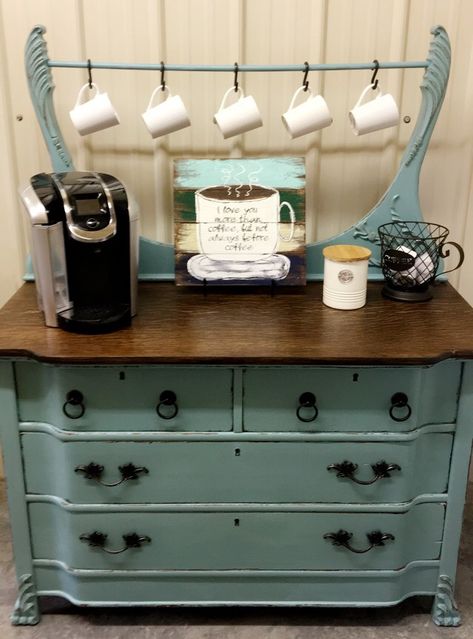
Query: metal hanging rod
[229,68]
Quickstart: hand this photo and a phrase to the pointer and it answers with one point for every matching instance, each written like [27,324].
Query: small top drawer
[349,399]
[126,398]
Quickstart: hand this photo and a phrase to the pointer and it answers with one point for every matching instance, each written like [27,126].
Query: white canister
[345,276]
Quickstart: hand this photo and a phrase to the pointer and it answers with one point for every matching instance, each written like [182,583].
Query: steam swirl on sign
[252,179]
[230,176]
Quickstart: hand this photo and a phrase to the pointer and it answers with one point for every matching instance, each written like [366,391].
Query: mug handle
[227,93]
[447,253]
[294,97]
[364,92]
[159,88]
[293,221]
[82,92]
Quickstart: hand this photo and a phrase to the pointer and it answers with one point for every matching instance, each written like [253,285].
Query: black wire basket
[410,255]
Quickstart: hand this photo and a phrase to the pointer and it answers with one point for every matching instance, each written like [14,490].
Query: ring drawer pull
[375,538]
[348,469]
[74,398]
[307,400]
[94,471]
[98,540]
[400,400]
[167,398]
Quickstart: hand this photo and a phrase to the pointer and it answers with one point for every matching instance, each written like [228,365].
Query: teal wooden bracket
[400,201]
[40,82]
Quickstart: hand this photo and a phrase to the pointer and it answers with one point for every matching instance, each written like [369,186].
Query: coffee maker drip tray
[99,318]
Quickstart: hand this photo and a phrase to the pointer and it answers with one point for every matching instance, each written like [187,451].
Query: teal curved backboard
[399,202]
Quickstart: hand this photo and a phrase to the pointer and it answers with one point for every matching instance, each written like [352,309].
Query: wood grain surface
[243,326]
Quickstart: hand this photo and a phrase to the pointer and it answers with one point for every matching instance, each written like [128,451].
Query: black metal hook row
[305,81]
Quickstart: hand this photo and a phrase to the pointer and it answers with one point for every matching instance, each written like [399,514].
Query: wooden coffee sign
[240,221]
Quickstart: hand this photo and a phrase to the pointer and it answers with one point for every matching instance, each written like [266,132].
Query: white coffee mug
[311,115]
[165,117]
[240,117]
[379,113]
[95,114]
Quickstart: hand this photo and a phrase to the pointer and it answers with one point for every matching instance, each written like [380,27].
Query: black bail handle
[74,398]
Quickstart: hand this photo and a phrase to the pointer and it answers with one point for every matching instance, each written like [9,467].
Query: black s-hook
[305,81]
[89,69]
[374,81]
[163,82]
[235,81]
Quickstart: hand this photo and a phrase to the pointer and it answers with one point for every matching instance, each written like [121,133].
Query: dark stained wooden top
[243,326]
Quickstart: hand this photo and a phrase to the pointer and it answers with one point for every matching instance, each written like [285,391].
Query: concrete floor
[409,619]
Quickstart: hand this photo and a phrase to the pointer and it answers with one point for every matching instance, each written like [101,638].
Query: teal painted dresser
[239,449]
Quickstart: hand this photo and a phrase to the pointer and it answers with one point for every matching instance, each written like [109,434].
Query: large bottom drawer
[234,540]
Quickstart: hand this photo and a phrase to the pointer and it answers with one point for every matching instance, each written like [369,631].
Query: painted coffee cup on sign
[379,113]
[241,223]
[95,114]
[167,116]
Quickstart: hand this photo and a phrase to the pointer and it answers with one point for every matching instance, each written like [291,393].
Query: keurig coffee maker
[84,245]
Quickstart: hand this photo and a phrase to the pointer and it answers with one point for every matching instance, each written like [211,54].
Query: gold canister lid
[346,253]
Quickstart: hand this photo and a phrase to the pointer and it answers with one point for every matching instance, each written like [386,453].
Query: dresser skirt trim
[235,587]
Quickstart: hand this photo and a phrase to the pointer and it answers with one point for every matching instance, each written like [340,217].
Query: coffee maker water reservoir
[84,245]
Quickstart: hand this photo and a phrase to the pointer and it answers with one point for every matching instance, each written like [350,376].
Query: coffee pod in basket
[345,276]
[425,268]
[408,276]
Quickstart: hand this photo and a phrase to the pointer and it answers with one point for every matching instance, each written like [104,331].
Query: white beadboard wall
[345,174]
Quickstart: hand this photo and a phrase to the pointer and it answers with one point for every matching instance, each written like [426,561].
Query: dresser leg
[26,611]
[445,611]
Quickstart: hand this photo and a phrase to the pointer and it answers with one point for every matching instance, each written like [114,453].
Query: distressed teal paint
[261,541]
[26,607]
[204,397]
[225,68]
[41,88]
[236,436]
[271,397]
[242,587]
[276,484]
[218,472]
[400,201]
[444,612]
[156,261]
[247,507]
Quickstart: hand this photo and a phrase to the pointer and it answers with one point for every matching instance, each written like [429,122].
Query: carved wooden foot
[26,611]
[445,611]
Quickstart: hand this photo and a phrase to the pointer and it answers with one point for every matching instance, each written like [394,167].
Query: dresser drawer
[267,472]
[349,399]
[126,398]
[234,540]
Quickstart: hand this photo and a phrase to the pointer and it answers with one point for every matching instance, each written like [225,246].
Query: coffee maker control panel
[89,207]
[90,213]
